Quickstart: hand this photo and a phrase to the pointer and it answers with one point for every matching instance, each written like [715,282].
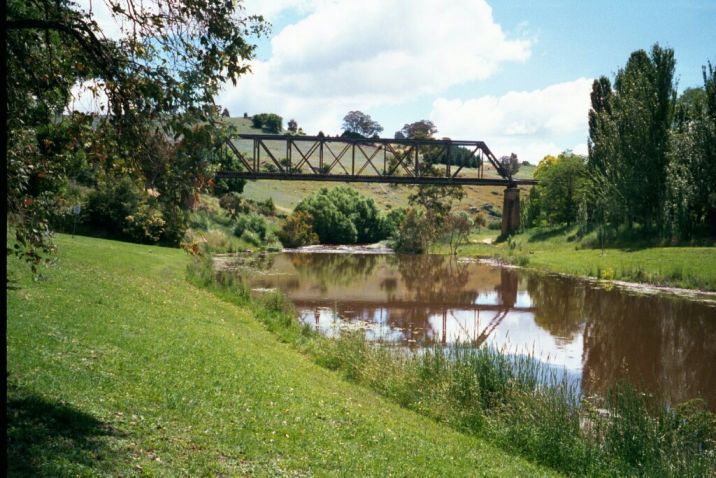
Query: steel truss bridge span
[368,160]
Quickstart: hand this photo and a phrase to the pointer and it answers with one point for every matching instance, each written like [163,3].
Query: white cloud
[270,9]
[89,97]
[361,54]
[529,123]
[107,22]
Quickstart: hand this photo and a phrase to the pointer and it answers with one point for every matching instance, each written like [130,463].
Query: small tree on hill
[361,123]
[510,164]
[419,130]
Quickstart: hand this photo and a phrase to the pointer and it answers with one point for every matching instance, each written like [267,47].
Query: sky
[513,73]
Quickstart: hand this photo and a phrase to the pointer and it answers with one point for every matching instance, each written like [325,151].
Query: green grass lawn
[553,250]
[117,366]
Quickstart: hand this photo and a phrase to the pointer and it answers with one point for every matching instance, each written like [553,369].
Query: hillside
[117,366]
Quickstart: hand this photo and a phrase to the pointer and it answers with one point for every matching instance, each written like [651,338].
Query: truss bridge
[375,160]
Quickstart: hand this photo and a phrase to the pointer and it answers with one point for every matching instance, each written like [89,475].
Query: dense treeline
[651,168]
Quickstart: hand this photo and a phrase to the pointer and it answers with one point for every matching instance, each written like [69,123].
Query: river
[595,334]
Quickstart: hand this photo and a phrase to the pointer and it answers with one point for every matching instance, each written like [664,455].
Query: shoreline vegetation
[136,320]
[512,401]
[118,366]
[559,250]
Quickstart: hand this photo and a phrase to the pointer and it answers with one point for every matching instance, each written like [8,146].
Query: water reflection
[666,345]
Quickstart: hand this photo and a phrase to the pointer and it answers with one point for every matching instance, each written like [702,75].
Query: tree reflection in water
[664,345]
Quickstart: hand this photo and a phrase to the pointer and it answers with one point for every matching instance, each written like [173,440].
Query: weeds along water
[512,400]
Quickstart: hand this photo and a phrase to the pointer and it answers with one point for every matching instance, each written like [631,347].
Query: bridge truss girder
[322,158]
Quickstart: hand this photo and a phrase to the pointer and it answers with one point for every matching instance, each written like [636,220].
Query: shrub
[251,237]
[252,223]
[494,225]
[120,207]
[413,235]
[266,208]
[298,231]
[343,216]
[392,221]
[146,224]
[112,202]
[270,122]
[234,204]
[216,239]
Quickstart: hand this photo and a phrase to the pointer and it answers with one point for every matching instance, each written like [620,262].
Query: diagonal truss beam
[406,155]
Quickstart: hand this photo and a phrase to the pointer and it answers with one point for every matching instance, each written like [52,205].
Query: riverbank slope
[118,366]
[558,250]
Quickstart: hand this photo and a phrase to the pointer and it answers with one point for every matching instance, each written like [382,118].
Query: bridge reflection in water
[665,345]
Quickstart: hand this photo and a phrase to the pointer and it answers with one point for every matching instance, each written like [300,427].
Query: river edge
[645,288]
[222,263]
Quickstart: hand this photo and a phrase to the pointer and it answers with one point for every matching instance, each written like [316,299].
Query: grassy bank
[513,402]
[557,250]
[117,366]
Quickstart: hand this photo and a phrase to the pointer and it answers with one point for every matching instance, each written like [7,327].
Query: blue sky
[513,73]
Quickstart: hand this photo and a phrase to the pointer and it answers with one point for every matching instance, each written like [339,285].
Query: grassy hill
[117,366]
[286,194]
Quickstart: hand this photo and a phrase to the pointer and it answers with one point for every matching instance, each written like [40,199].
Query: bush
[297,230]
[252,223]
[145,225]
[270,122]
[251,237]
[266,208]
[494,225]
[413,235]
[392,221]
[344,216]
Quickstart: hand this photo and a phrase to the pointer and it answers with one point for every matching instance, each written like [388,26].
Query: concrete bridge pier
[510,211]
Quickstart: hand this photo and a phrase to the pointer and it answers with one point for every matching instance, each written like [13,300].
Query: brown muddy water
[596,336]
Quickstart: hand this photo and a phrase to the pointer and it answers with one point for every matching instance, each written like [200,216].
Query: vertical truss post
[288,155]
[353,159]
[417,166]
[385,158]
[449,159]
[257,156]
[320,158]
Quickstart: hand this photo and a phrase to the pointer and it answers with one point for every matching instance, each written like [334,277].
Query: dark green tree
[361,123]
[629,131]
[691,199]
[561,189]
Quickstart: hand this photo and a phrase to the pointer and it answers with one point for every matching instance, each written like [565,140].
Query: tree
[361,123]
[343,216]
[561,188]
[458,226]
[422,129]
[292,125]
[297,230]
[414,234]
[691,192]
[158,78]
[270,122]
[629,133]
[509,164]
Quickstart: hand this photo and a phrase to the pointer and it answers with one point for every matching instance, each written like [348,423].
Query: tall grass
[513,401]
